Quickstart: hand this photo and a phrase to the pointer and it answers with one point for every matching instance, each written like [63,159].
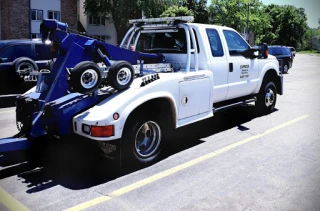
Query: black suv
[284,56]
[19,57]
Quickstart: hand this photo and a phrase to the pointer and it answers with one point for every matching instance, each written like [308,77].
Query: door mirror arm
[249,53]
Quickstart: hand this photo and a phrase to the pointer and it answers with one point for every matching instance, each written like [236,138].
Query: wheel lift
[48,110]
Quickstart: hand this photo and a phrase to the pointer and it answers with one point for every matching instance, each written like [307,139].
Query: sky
[312,8]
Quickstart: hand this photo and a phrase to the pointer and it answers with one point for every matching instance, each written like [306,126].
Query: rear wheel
[142,141]
[267,97]
[23,66]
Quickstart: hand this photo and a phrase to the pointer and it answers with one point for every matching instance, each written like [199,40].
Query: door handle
[230,67]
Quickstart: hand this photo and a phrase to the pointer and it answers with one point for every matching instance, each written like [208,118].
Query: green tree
[308,37]
[198,8]
[239,14]
[176,11]
[124,10]
[288,25]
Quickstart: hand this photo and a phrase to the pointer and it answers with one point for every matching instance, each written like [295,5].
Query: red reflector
[267,52]
[102,131]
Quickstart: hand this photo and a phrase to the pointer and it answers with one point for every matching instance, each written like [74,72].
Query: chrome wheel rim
[270,97]
[124,76]
[147,139]
[89,79]
[24,68]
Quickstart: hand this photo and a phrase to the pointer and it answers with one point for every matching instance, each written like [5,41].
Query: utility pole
[247,31]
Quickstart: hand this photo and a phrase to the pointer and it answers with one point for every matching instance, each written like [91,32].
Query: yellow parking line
[6,111]
[173,170]
[11,203]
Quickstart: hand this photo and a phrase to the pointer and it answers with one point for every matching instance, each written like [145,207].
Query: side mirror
[249,53]
[1,60]
[263,51]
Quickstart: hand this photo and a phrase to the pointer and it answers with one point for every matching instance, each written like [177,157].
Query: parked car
[293,51]
[284,56]
[18,58]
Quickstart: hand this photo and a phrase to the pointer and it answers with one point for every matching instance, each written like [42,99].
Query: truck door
[243,72]
[218,65]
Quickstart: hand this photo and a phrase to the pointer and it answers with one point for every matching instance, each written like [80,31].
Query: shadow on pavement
[76,164]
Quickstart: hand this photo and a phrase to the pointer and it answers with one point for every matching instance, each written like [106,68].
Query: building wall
[45,6]
[82,16]
[69,13]
[15,20]
[97,30]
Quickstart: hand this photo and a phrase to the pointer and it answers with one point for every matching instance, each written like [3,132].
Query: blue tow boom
[49,109]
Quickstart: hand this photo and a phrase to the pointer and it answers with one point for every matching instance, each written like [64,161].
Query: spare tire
[23,66]
[120,75]
[85,77]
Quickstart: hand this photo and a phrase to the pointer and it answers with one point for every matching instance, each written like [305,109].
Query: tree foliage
[288,25]
[273,24]
[198,8]
[176,11]
[124,10]
[239,14]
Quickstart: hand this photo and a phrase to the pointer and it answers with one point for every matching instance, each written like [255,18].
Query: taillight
[102,131]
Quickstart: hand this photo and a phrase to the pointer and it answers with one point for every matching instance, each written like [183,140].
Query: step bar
[232,105]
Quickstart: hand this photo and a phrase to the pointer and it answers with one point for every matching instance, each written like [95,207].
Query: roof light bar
[154,20]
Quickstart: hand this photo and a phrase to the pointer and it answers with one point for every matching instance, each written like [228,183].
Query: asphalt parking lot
[236,160]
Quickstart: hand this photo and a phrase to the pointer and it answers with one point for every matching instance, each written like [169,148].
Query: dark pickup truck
[18,58]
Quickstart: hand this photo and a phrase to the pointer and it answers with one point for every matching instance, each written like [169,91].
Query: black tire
[85,77]
[23,66]
[120,75]
[267,97]
[142,141]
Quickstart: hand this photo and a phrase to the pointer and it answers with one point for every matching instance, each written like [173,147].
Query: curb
[8,100]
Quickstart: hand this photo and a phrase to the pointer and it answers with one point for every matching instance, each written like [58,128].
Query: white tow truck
[207,69]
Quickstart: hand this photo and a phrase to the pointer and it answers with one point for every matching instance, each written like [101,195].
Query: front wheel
[142,141]
[267,98]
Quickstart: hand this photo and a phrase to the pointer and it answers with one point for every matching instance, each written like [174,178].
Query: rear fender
[144,99]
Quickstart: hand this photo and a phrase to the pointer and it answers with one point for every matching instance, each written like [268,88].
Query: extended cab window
[215,42]
[235,42]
